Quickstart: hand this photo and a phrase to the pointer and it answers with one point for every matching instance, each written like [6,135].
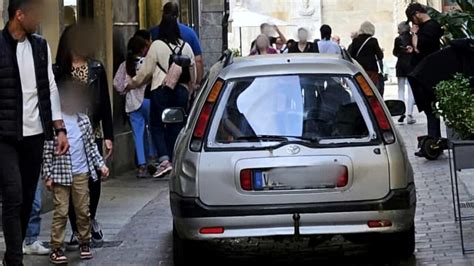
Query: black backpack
[181,60]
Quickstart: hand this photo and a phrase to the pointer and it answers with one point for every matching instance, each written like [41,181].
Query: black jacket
[442,65]
[99,107]
[404,62]
[11,99]
[369,54]
[101,110]
[309,48]
[429,36]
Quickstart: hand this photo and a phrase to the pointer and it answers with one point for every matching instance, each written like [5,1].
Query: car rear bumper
[191,215]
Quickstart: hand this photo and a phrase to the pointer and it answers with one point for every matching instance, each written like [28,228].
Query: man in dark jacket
[426,35]
[29,113]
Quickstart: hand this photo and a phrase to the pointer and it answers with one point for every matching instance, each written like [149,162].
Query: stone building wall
[344,16]
[3,12]
[211,31]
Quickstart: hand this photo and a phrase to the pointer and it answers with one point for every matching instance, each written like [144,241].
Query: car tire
[184,250]
[401,245]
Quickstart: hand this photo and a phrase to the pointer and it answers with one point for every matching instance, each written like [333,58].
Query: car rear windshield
[265,111]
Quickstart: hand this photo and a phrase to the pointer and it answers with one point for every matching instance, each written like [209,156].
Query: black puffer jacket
[11,101]
[404,62]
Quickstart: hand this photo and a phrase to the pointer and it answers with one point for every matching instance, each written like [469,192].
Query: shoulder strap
[362,46]
[181,49]
[173,50]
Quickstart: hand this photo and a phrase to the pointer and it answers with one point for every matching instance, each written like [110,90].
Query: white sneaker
[37,248]
[411,120]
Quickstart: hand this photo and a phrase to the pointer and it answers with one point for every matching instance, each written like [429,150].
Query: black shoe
[73,244]
[97,235]
[401,119]
[152,169]
[419,154]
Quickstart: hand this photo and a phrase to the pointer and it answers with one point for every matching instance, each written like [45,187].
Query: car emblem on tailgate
[293,149]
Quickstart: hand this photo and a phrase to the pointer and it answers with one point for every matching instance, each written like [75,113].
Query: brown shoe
[86,252]
[57,257]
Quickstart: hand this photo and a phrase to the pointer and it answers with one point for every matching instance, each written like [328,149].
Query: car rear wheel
[184,250]
[400,244]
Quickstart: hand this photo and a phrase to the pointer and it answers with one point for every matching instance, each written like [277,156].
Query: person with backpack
[366,50]
[170,64]
[137,106]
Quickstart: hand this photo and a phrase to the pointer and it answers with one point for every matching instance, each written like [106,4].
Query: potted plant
[457,23]
[455,103]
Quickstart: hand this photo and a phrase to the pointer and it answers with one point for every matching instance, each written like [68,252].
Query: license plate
[296,178]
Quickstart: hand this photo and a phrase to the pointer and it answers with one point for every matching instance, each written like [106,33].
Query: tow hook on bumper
[296,222]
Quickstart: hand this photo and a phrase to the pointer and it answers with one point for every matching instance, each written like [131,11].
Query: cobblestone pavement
[144,238]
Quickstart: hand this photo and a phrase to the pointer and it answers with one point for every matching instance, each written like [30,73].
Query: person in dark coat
[458,57]
[303,46]
[366,50]
[403,49]
[425,41]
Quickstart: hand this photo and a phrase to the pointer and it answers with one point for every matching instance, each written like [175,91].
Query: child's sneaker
[86,252]
[57,257]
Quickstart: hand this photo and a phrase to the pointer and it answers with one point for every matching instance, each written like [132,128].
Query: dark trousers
[20,165]
[94,195]
[165,135]
[434,125]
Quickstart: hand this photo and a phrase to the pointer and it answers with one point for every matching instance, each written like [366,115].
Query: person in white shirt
[30,112]
[326,45]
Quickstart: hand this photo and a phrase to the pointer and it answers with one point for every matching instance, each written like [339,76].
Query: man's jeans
[34,226]
[164,136]
[20,165]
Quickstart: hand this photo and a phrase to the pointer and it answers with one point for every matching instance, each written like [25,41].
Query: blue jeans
[139,120]
[164,136]
[34,225]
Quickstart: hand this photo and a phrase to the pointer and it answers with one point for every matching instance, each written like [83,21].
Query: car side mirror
[396,107]
[173,116]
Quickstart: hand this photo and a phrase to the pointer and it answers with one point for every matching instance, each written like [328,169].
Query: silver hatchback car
[287,145]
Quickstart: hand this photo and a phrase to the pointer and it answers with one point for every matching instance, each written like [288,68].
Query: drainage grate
[467,205]
[105,244]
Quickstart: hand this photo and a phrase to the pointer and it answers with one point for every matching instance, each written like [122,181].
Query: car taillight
[205,115]
[203,119]
[379,223]
[246,180]
[343,178]
[377,110]
[211,230]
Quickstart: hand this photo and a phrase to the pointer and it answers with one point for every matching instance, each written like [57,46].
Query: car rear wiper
[312,139]
[277,138]
[263,138]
